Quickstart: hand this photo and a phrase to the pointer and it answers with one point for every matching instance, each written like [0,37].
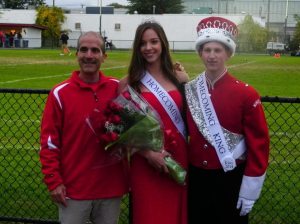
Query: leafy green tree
[52,18]
[117,5]
[21,4]
[294,45]
[155,6]
[252,36]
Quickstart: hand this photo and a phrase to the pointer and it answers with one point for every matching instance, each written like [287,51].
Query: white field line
[52,76]
[29,63]
[247,63]
[123,66]
[242,64]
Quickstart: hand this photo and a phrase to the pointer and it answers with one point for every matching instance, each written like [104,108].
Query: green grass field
[42,68]
[21,187]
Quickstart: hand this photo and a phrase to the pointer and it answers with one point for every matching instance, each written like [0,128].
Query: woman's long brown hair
[137,65]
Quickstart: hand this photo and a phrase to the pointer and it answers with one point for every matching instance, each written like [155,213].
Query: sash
[166,101]
[212,122]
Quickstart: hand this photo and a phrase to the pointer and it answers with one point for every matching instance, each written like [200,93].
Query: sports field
[21,187]
[41,69]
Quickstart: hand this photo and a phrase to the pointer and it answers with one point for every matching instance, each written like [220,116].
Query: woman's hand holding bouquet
[156,159]
[130,122]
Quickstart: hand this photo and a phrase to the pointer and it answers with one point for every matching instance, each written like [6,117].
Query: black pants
[213,196]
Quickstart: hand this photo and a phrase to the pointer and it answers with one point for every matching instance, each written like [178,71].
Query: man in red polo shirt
[80,175]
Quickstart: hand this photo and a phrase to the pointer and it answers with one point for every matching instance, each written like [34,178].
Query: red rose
[110,119]
[116,119]
[115,107]
[127,95]
[105,138]
[114,136]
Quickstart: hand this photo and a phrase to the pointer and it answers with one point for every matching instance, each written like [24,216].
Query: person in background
[2,39]
[16,40]
[19,36]
[83,186]
[11,39]
[229,140]
[64,44]
[156,198]
[109,45]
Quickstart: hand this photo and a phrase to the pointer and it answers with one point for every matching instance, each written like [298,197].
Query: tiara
[148,20]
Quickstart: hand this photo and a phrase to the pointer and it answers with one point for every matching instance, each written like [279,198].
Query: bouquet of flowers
[130,122]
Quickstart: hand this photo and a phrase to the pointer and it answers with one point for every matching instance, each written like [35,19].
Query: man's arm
[50,143]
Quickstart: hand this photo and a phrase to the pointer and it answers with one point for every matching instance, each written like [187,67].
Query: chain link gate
[25,199]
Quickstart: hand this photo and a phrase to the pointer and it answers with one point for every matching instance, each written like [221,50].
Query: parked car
[295,53]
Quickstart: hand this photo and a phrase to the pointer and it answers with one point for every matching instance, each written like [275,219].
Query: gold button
[204,163]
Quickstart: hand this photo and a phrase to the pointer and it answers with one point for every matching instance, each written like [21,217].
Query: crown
[217,29]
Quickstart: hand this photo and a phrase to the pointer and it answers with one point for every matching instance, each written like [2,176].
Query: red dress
[156,198]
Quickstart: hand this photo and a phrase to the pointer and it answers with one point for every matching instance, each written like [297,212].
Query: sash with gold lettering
[212,122]
[166,101]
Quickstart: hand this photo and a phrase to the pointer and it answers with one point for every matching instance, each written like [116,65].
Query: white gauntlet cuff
[251,187]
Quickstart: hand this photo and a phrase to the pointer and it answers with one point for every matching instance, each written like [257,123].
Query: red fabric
[70,152]
[156,198]
[219,23]
[239,110]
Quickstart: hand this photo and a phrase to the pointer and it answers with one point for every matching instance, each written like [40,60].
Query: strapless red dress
[156,198]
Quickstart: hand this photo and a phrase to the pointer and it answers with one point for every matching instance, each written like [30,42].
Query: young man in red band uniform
[81,177]
[229,140]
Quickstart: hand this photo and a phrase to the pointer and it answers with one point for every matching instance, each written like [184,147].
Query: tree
[117,5]
[53,18]
[21,4]
[294,45]
[155,6]
[252,36]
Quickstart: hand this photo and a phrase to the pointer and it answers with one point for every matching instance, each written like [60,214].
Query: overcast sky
[79,3]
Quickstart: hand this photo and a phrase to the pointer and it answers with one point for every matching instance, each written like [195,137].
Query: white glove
[245,205]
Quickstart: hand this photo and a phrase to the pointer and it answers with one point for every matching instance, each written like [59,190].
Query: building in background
[180,28]
[278,14]
[120,28]
[21,22]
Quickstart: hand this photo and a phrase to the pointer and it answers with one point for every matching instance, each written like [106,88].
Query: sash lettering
[166,101]
[213,125]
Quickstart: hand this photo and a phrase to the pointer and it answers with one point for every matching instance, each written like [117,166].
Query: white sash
[213,125]
[166,101]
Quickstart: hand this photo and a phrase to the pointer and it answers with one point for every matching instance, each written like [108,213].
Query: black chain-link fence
[25,199]
[280,198]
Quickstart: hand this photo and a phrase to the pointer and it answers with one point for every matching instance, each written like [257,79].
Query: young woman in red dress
[156,197]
